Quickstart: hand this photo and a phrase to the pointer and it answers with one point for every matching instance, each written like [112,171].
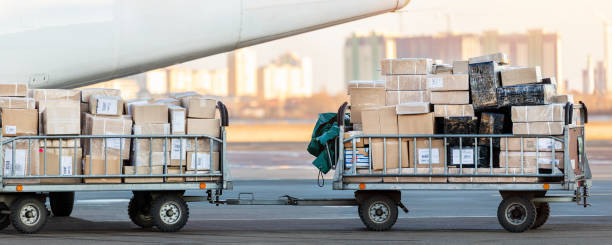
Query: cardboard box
[442,69]
[185,95]
[562,99]
[113,167]
[499,58]
[406,66]
[531,144]
[538,128]
[105,105]
[453,111]
[364,179]
[86,93]
[448,82]
[169,102]
[175,170]
[41,96]
[355,111]
[450,97]
[69,164]
[405,82]
[367,96]
[17,103]
[55,143]
[361,157]
[365,84]
[103,125]
[401,97]
[521,75]
[423,155]
[392,154]
[14,89]
[144,144]
[418,179]
[359,142]
[128,104]
[177,115]
[412,108]
[148,158]
[461,67]
[210,127]
[19,162]
[19,122]
[379,120]
[539,113]
[150,113]
[530,159]
[62,119]
[203,161]
[416,124]
[143,170]
[200,107]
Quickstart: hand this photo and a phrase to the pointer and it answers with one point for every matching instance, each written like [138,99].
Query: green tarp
[322,141]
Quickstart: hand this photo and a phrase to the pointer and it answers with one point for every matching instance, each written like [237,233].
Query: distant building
[600,78]
[362,55]
[157,81]
[447,46]
[588,77]
[242,73]
[286,77]
[179,80]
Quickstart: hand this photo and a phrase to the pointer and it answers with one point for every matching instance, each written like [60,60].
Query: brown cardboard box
[356,112]
[113,167]
[392,156]
[407,66]
[147,158]
[178,122]
[104,125]
[422,156]
[203,161]
[365,179]
[448,82]
[538,128]
[41,96]
[562,99]
[211,127]
[144,145]
[19,122]
[70,165]
[143,170]
[521,75]
[405,82]
[460,67]
[416,124]
[55,143]
[530,159]
[150,113]
[450,97]
[367,96]
[499,58]
[530,144]
[453,111]
[185,95]
[128,104]
[400,97]
[62,119]
[379,120]
[175,170]
[365,84]
[417,179]
[17,103]
[359,142]
[412,108]
[169,102]
[200,107]
[538,113]
[22,152]
[105,105]
[14,89]
[442,69]
[86,93]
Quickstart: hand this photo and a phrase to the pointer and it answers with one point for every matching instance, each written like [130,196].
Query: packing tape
[15,92]
[398,82]
[549,130]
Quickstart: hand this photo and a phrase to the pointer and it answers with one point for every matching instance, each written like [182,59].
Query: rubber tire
[15,213]
[543,210]
[365,216]
[5,221]
[61,203]
[156,206]
[140,212]
[531,213]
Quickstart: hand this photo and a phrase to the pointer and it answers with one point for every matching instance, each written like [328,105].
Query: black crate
[460,125]
[485,78]
[527,94]
[490,123]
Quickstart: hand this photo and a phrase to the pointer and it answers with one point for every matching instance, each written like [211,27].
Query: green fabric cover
[322,141]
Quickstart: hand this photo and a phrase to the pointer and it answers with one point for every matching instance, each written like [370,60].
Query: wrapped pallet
[529,94]
[484,80]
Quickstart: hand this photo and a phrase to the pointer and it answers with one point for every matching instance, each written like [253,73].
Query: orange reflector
[202,185]
[361,186]
[546,186]
[19,188]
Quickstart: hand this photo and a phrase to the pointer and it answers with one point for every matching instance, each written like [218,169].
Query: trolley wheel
[61,203]
[170,212]
[139,210]
[28,214]
[5,221]
[378,213]
[516,213]
[543,212]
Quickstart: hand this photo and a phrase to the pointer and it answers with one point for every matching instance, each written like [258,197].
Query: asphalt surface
[435,217]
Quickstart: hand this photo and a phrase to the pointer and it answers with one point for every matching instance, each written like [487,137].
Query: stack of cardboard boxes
[203,154]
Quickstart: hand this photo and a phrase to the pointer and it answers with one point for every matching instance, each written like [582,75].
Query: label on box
[201,160]
[10,129]
[114,143]
[178,121]
[20,162]
[66,165]
[548,161]
[175,153]
[463,157]
[548,144]
[424,156]
[106,106]
[435,82]
[362,160]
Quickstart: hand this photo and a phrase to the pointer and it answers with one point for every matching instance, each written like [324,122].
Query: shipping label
[10,129]
[20,163]
[106,106]
[201,160]
[548,161]
[547,144]
[176,151]
[435,82]
[66,165]
[462,157]
[178,121]
[115,143]
[424,156]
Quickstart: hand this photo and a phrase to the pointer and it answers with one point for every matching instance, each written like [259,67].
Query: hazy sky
[579,23]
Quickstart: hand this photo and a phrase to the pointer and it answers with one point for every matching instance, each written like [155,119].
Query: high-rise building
[588,77]
[600,78]
[446,46]
[286,77]
[362,55]
[242,73]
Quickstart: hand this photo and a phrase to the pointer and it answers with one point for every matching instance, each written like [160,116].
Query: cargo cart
[525,198]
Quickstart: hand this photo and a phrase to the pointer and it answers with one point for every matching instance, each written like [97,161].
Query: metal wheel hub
[516,214]
[170,213]
[379,212]
[29,215]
